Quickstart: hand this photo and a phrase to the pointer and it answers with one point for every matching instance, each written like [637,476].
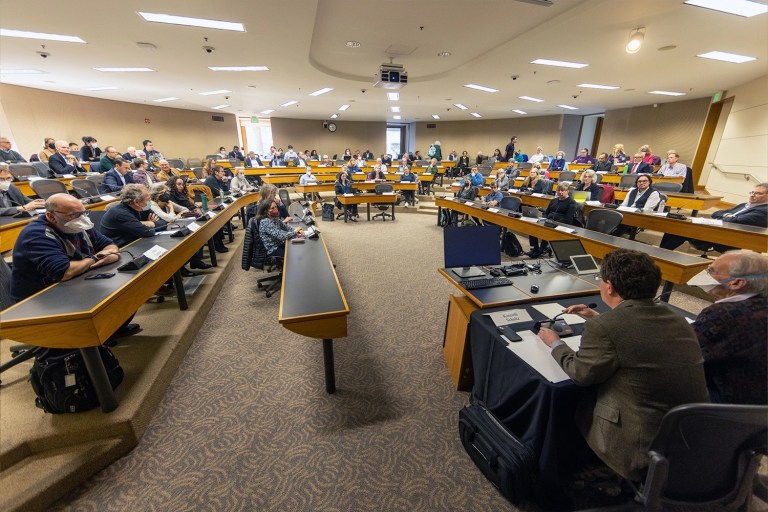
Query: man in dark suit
[129,221]
[236,153]
[752,213]
[9,155]
[641,357]
[638,166]
[59,162]
[253,160]
[12,201]
[118,177]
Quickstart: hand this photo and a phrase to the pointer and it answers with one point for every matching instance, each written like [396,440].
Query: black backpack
[328,212]
[61,381]
[510,245]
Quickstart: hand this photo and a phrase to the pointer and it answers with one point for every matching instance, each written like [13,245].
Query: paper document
[107,197]
[594,203]
[626,209]
[348,195]
[660,214]
[193,226]
[536,194]
[708,222]
[565,229]
[553,309]
[469,203]
[538,356]
[493,210]
[511,316]
[155,252]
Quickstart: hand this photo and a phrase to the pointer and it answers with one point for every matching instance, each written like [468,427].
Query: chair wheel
[259,286]
[269,294]
[160,299]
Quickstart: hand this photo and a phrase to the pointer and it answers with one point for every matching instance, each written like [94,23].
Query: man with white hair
[9,155]
[60,161]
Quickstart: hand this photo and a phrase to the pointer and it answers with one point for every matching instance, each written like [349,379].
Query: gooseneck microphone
[591,305]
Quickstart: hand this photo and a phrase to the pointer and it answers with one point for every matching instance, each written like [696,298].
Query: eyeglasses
[9,179]
[643,181]
[74,215]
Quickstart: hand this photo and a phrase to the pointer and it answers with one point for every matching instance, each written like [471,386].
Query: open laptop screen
[564,249]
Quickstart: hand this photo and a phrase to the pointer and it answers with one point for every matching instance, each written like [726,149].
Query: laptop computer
[564,249]
[581,196]
[531,211]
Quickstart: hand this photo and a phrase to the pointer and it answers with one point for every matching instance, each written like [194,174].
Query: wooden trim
[705,141]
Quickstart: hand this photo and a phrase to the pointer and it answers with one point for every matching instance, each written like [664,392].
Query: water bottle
[662,204]
[204,200]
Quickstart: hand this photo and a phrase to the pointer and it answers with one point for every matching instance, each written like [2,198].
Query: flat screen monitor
[564,249]
[474,245]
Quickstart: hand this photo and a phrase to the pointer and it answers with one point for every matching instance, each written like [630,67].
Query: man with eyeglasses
[107,161]
[9,155]
[642,195]
[60,163]
[132,218]
[12,201]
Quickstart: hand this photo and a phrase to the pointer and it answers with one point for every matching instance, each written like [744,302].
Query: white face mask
[77,225]
[4,186]
[704,281]
[95,146]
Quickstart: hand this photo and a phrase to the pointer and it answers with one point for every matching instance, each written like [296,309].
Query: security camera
[575,96]
[363,90]
[209,49]
[515,77]
[226,97]
[44,55]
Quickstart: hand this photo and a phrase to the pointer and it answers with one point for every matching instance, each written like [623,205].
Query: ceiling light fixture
[334,116]
[289,103]
[170,19]
[739,7]
[476,114]
[393,96]
[559,63]
[568,107]
[217,107]
[481,88]
[21,72]
[727,57]
[444,54]
[343,108]
[39,35]
[238,68]
[395,108]
[529,98]
[125,70]
[435,116]
[667,93]
[353,44]
[268,111]
[321,91]
[163,100]
[635,41]
[598,86]
[211,93]
[396,118]
[460,106]
[521,112]
[105,88]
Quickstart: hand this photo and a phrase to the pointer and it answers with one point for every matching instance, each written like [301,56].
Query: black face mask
[52,145]
[164,197]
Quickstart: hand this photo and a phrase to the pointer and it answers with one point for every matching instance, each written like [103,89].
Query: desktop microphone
[87,199]
[591,305]
[557,324]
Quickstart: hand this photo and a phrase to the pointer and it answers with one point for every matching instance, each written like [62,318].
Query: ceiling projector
[390,76]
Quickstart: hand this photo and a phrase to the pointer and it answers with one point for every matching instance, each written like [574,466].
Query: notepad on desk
[707,222]
[538,356]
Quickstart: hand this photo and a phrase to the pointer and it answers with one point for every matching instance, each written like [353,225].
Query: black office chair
[604,221]
[96,216]
[85,188]
[234,162]
[45,188]
[97,180]
[511,203]
[382,188]
[627,181]
[667,187]
[95,167]
[23,171]
[547,186]
[598,177]
[255,255]
[42,169]
[176,163]
[567,176]
[193,162]
[285,197]
[215,157]
[688,181]
[198,172]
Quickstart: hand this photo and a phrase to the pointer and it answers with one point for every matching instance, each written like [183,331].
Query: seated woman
[161,205]
[142,175]
[558,163]
[618,156]
[408,177]
[352,166]
[561,209]
[534,181]
[462,165]
[272,231]
[240,185]
[344,186]
[497,156]
[502,180]
[539,156]
[268,192]
[377,174]
[589,183]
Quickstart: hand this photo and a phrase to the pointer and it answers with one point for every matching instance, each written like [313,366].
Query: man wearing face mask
[132,218]
[306,179]
[733,330]
[12,201]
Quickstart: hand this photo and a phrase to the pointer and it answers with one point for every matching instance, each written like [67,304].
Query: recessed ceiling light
[192,22]
[334,116]
[559,63]
[667,93]
[397,117]
[353,44]
[519,111]
[393,96]
[21,72]
[268,111]
[462,107]
[598,86]
[727,57]
[125,70]
[321,91]
[163,100]
[289,103]
[217,107]
[738,7]
[211,93]
[39,35]
[568,107]
[476,114]
[343,108]
[444,54]
[435,116]
[105,88]
[481,88]
[529,98]
[395,108]
[238,68]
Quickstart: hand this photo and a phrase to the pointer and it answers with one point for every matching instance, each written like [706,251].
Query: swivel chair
[42,169]
[45,188]
[95,167]
[667,187]
[23,171]
[98,179]
[176,163]
[285,197]
[255,255]
[193,162]
[382,188]
[627,181]
[603,221]
[85,188]
[567,176]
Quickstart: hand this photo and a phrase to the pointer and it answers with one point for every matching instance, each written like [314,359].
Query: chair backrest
[474,192]
[567,176]
[706,453]
[295,209]
[95,167]
[96,216]
[598,177]
[284,196]
[176,163]
[213,157]
[511,203]
[688,181]
[98,179]
[547,186]
[194,162]
[198,172]
[45,188]
[5,285]
[668,187]
[604,221]
[380,188]
[85,188]
[234,162]
[42,169]
[20,171]
[627,181]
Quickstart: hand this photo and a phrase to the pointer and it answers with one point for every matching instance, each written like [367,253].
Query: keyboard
[485,282]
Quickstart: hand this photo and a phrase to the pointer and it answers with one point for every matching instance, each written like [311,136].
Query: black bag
[61,381]
[510,245]
[504,460]
[328,212]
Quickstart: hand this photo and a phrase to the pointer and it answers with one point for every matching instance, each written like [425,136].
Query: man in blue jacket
[117,177]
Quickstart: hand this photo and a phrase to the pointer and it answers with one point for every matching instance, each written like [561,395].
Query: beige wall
[740,146]
[675,125]
[310,134]
[32,114]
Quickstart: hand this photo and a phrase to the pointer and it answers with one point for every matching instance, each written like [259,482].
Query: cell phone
[105,275]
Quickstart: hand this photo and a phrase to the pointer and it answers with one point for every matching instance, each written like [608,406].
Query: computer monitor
[474,245]
[564,249]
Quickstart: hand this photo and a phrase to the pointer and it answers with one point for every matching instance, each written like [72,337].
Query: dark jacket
[755,216]
[88,154]
[123,224]
[644,168]
[59,165]
[11,156]
[113,183]
[561,210]
[17,199]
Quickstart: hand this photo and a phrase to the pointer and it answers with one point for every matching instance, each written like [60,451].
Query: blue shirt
[494,196]
[477,180]
[410,177]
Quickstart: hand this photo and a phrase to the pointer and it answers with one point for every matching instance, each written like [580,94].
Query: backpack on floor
[510,245]
[328,212]
[61,381]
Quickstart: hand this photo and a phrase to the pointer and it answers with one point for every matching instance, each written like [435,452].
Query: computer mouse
[534,288]
[495,272]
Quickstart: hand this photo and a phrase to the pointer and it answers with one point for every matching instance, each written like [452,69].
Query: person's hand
[105,259]
[581,310]
[34,205]
[287,220]
[153,218]
[199,205]
[548,336]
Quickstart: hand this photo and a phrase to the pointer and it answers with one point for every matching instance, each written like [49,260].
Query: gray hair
[132,192]
[752,267]
[590,172]
[5,167]
[564,185]
[156,189]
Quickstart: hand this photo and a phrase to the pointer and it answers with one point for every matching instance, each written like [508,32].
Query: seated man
[641,357]
[502,180]
[117,177]
[602,164]
[253,160]
[273,231]
[107,160]
[379,172]
[475,178]
[9,155]
[638,166]
[166,171]
[408,177]
[752,213]
[130,154]
[217,182]
[672,167]
[129,220]
[494,197]
[12,201]
[58,246]
[60,162]
[733,330]
[236,153]
[642,195]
